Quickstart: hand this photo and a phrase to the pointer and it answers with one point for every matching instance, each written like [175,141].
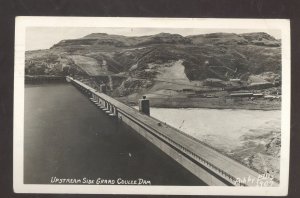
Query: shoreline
[206,103]
[180,102]
[221,108]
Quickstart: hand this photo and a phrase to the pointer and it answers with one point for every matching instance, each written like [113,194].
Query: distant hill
[216,55]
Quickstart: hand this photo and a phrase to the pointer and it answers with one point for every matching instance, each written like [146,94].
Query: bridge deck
[213,157]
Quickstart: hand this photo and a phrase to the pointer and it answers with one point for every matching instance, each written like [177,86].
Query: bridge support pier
[99,102]
[102,104]
[108,111]
[112,111]
[106,106]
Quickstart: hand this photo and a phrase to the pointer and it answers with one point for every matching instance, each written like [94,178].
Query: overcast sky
[45,37]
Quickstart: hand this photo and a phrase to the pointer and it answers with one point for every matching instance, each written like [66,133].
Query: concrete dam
[201,160]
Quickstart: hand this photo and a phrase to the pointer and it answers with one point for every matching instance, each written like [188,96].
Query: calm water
[66,136]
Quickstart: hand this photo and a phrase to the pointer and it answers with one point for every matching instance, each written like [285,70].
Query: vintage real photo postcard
[171,106]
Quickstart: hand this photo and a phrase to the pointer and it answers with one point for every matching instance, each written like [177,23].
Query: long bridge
[206,163]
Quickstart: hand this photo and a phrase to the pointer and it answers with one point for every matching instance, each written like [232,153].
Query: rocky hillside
[219,55]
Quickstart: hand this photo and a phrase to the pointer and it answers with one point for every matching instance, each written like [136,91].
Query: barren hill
[148,58]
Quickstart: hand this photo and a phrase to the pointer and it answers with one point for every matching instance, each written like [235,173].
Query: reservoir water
[66,136]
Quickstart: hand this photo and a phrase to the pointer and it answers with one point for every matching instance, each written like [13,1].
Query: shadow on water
[66,136]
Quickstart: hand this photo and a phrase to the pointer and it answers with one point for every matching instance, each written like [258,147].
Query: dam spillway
[202,161]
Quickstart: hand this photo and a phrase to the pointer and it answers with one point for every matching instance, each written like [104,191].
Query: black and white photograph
[116,105]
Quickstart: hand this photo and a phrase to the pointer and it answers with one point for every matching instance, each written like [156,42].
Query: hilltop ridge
[144,60]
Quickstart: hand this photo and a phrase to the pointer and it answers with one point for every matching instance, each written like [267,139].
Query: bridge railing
[192,155]
[204,143]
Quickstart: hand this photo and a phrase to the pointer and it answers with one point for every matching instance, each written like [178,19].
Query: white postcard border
[18,138]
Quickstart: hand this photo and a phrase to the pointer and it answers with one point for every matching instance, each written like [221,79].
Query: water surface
[66,136]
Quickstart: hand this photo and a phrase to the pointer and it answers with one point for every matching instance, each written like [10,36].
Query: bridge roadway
[225,170]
